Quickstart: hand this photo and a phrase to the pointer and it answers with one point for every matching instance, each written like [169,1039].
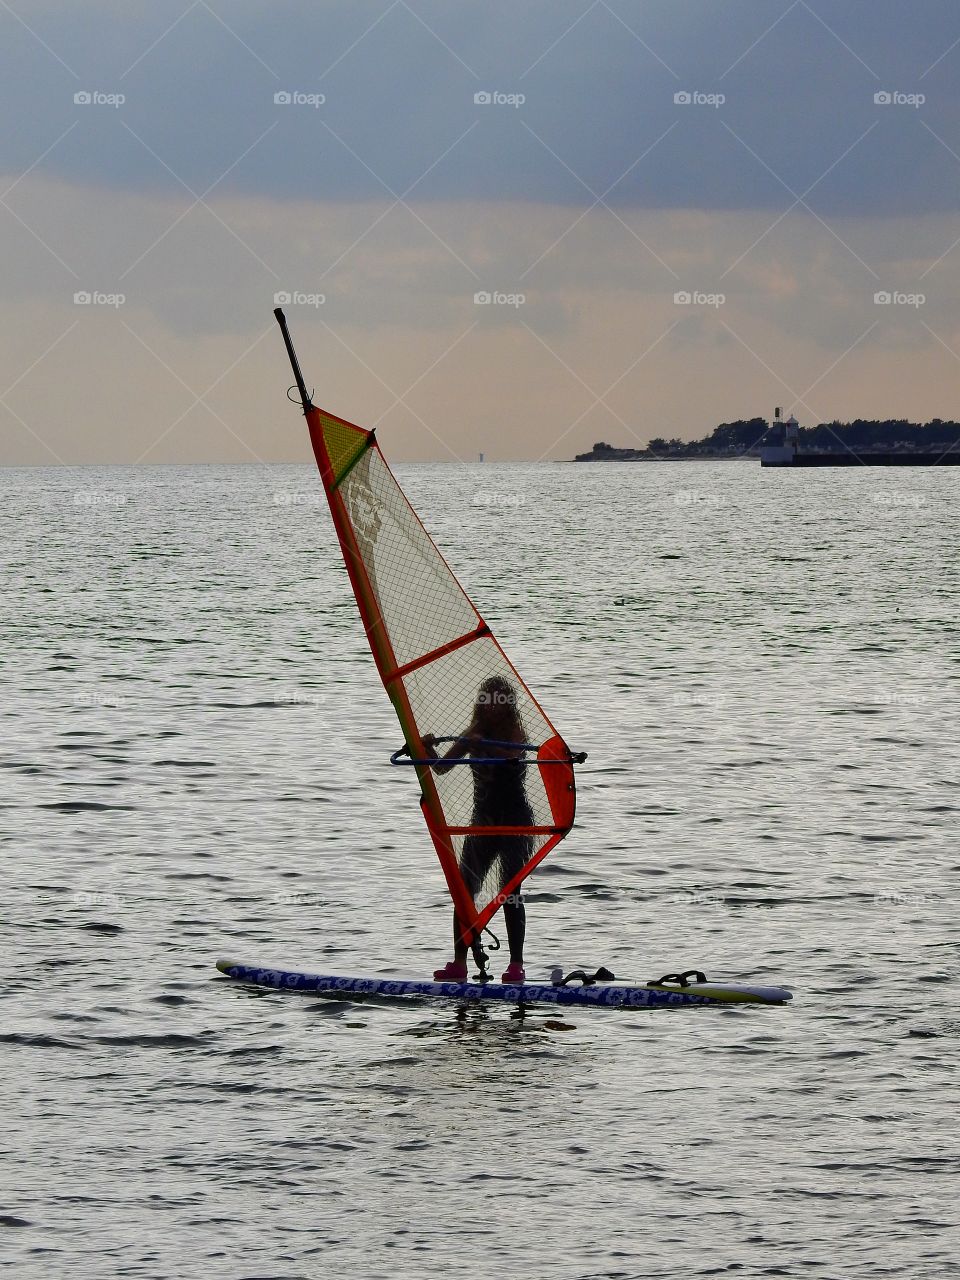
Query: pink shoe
[451,972]
[514,973]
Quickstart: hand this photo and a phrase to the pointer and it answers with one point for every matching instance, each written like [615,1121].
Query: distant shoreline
[644,455]
[744,439]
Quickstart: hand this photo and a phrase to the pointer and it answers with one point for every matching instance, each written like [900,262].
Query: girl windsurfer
[499,800]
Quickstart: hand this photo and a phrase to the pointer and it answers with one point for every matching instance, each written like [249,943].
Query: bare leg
[515,920]
[459,946]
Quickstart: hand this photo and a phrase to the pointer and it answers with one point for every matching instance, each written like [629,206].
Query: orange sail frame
[399,576]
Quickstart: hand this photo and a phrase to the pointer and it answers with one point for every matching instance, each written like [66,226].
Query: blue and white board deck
[610,995]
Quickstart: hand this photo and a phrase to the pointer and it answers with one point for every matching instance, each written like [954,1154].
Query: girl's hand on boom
[460,747]
[429,741]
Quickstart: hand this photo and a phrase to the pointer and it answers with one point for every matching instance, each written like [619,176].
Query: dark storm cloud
[798,81]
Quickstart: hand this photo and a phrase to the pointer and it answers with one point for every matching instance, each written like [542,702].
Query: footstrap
[684,979]
[558,979]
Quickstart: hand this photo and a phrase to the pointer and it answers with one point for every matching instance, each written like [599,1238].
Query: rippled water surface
[762,667]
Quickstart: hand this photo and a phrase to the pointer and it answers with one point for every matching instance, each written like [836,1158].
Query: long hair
[496,714]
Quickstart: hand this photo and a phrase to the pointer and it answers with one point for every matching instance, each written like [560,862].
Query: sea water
[763,669]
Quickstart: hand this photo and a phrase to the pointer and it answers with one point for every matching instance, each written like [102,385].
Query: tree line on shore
[748,434]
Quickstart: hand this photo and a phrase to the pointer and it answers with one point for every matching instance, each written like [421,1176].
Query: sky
[510,227]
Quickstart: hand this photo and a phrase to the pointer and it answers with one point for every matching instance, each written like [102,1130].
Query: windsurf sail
[494,820]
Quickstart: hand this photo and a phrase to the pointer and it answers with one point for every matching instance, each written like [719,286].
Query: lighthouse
[782,451]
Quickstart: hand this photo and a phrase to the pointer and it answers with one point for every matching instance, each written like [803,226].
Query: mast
[435,656]
[294,362]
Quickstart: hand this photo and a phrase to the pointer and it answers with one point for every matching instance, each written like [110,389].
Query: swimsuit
[499,800]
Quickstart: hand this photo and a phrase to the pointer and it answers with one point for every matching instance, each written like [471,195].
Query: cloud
[597,347]
[618,154]
[399,81]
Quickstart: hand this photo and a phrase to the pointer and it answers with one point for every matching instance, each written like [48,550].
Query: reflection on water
[195,753]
